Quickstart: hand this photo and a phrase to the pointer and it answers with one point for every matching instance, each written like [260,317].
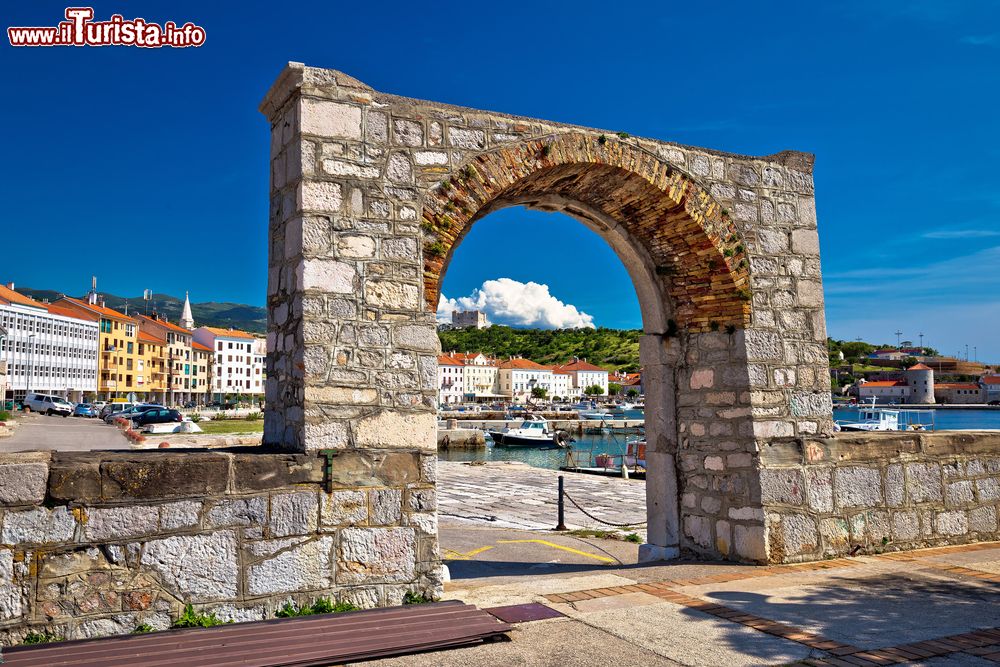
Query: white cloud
[961,234]
[507,301]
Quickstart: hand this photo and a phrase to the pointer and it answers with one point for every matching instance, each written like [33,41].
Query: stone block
[894,485]
[951,523]
[265,472]
[958,493]
[793,535]
[417,337]
[783,486]
[714,463]
[858,486]
[355,247]
[835,533]
[905,526]
[805,242]
[23,483]
[386,506]
[983,519]
[152,475]
[329,275]
[923,482]
[699,529]
[988,489]
[180,515]
[320,196]
[819,489]
[344,508]
[331,119]
[375,555]
[408,132]
[341,395]
[294,514]
[397,430]
[305,566]
[119,523]
[750,542]
[195,568]
[703,378]
[10,592]
[73,480]
[38,526]
[391,294]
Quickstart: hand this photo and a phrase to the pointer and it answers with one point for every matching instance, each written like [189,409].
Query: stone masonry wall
[96,544]
[877,492]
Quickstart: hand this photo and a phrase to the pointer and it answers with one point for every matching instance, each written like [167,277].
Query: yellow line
[558,546]
[480,550]
[451,554]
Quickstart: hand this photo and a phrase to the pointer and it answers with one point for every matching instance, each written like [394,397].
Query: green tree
[539,392]
[614,389]
[632,393]
[593,390]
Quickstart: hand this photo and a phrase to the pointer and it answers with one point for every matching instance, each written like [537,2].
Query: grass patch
[416,598]
[320,606]
[142,629]
[40,638]
[232,426]
[634,538]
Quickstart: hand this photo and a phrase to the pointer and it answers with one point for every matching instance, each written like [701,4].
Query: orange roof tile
[95,308]
[956,385]
[523,364]
[990,379]
[66,312]
[446,360]
[228,333]
[11,296]
[920,367]
[884,383]
[165,323]
[579,365]
[146,337]
[198,346]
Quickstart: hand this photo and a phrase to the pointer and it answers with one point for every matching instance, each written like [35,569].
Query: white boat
[533,432]
[880,419]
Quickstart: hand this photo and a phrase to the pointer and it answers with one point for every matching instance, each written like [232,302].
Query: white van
[49,405]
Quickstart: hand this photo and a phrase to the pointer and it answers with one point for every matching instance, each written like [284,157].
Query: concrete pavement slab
[692,638]
[555,643]
[487,594]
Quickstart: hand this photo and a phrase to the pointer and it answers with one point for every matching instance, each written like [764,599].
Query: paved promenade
[515,495]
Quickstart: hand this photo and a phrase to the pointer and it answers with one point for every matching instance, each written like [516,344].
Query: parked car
[190,404]
[157,416]
[993,403]
[113,407]
[84,410]
[49,405]
[134,411]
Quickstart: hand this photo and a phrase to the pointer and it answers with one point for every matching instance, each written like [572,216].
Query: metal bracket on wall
[329,455]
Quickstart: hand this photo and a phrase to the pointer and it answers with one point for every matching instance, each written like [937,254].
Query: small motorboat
[533,432]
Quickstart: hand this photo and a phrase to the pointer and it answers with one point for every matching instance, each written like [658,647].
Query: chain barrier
[606,523]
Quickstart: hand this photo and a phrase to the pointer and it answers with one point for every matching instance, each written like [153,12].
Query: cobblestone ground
[519,496]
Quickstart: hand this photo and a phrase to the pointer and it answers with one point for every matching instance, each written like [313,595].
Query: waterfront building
[151,373]
[238,367]
[46,348]
[628,381]
[913,386]
[562,384]
[451,380]
[516,378]
[920,379]
[201,391]
[480,373]
[181,366]
[465,319]
[118,346]
[585,375]
[884,391]
[991,387]
[956,393]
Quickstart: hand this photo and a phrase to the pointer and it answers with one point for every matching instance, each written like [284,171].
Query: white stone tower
[920,378]
[187,321]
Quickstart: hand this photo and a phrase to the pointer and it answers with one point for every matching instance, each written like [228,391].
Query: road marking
[559,546]
[458,555]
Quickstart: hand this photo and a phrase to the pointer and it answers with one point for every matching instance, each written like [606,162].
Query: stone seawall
[98,543]
[875,492]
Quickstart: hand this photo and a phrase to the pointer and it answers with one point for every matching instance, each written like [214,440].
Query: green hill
[209,314]
[613,349]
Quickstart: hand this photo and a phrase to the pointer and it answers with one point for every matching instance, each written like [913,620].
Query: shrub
[40,638]
[416,598]
[253,416]
[195,417]
[4,416]
[142,629]
[633,538]
[319,606]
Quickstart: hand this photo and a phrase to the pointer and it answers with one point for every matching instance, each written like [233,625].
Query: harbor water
[615,444]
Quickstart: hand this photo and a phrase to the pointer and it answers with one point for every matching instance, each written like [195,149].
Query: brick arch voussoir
[709,278]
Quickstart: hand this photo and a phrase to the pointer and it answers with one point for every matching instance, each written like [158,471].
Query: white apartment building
[451,380]
[238,367]
[480,374]
[517,377]
[585,375]
[562,385]
[46,349]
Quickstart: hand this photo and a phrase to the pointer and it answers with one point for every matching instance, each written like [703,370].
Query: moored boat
[533,432]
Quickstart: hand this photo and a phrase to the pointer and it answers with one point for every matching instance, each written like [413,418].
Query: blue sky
[161,156]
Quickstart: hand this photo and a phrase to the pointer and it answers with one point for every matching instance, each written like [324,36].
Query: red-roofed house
[884,391]
[585,375]
[991,387]
[958,392]
[451,380]
[517,378]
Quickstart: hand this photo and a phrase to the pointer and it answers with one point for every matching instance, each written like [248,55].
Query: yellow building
[152,372]
[118,347]
[203,358]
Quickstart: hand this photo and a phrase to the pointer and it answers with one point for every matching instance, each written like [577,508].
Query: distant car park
[84,410]
[157,416]
[48,404]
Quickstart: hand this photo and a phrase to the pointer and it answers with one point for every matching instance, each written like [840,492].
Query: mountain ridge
[223,314]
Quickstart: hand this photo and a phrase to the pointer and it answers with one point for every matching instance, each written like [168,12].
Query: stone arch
[370,193]
[666,227]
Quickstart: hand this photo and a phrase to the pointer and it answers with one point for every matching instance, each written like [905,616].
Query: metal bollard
[562,507]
